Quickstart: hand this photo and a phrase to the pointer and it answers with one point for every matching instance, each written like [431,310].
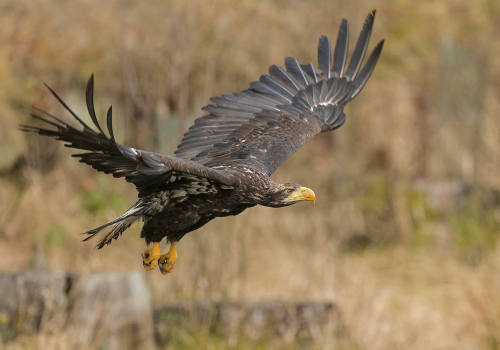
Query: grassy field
[404,235]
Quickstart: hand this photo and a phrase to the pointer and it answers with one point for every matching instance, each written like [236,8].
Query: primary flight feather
[224,162]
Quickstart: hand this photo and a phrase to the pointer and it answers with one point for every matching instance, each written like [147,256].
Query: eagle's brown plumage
[223,164]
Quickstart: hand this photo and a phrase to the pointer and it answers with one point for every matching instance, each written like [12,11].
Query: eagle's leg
[167,261]
[151,256]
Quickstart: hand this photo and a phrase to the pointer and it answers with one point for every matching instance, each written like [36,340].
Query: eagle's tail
[118,225]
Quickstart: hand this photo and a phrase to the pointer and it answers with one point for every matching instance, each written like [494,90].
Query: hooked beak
[303,194]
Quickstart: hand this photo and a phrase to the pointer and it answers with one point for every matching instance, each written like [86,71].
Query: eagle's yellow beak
[303,194]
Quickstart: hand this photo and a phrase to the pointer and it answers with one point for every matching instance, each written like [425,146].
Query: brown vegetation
[404,235]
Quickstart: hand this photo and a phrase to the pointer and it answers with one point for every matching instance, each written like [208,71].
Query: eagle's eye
[288,190]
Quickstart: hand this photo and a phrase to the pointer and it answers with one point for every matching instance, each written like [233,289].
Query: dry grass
[405,274]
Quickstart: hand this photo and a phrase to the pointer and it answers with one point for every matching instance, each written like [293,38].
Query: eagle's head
[281,195]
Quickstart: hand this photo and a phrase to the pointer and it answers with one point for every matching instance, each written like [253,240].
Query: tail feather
[119,225]
[117,230]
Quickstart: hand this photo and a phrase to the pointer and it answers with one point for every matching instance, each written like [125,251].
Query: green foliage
[473,231]
[102,196]
[475,234]
[55,236]
[375,196]
[421,211]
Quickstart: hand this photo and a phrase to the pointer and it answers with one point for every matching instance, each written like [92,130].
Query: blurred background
[403,239]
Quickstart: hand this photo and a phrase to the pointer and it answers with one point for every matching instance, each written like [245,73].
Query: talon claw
[166,262]
[151,256]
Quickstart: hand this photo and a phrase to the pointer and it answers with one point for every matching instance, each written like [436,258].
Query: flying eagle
[224,162]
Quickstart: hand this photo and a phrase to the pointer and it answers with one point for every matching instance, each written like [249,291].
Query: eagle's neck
[256,188]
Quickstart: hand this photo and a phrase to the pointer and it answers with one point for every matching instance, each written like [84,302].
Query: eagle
[224,162]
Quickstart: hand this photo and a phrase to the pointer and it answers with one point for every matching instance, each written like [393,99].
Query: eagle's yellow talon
[151,256]
[166,262]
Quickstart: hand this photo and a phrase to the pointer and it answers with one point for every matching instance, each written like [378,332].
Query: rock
[111,310]
[33,301]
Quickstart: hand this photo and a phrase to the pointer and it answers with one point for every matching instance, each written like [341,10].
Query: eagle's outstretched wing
[148,171]
[264,125]
[261,126]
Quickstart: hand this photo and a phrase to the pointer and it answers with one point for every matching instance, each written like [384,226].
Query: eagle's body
[224,163]
[186,205]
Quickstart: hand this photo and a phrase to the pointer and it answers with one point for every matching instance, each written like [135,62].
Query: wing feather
[325,56]
[340,54]
[284,77]
[295,70]
[368,68]
[361,45]
[311,73]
